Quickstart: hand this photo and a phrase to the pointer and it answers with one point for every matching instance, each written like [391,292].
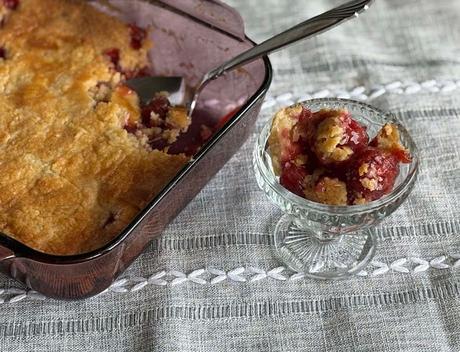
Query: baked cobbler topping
[328,190]
[335,137]
[326,157]
[388,139]
[80,156]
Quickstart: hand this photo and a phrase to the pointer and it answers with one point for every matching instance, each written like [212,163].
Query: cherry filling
[155,112]
[11,4]
[371,175]
[291,150]
[138,36]
[355,135]
[2,53]
[130,128]
[388,139]
[205,133]
[293,178]
[154,122]
[114,56]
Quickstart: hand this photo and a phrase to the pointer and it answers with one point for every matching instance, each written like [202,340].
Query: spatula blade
[147,87]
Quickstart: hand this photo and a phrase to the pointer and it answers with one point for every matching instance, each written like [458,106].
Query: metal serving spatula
[146,87]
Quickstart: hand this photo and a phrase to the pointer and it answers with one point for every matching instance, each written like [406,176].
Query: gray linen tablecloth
[212,283]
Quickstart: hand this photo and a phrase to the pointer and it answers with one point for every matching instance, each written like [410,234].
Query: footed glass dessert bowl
[332,241]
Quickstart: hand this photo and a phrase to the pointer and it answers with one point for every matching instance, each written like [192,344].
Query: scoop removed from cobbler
[325,156]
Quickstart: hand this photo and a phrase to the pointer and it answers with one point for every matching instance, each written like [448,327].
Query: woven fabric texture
[212,283]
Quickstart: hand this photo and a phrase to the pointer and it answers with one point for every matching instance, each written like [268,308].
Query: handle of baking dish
[213,13]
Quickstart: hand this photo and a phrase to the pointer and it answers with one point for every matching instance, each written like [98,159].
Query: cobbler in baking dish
[326,156]
[79,155]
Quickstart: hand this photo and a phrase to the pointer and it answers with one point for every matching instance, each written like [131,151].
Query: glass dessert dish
[332,241]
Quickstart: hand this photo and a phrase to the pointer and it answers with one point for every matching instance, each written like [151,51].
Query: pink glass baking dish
[188,41]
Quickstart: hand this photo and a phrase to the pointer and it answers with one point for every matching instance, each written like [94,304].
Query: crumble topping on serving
[326,157]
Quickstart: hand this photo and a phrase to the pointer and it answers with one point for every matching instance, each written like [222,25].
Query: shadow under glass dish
[332,242]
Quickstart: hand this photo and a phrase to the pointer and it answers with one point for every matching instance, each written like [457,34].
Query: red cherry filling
[371,175]
[138,36]
[355,134]
[2,53]
[158,143]
[159,106]
[114,55]
[130,128]
[293,178]
[290,150]
[11,4]
[205,133]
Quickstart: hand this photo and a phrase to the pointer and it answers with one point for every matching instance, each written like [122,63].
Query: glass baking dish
[190,37]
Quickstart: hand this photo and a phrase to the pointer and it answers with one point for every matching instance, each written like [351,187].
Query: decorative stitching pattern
[367,94]
[119,321]
[212,276]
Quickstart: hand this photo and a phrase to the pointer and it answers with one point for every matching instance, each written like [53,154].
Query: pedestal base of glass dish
[305,248]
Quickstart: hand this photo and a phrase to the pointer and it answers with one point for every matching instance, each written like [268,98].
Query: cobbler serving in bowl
[325,156]
[336,168]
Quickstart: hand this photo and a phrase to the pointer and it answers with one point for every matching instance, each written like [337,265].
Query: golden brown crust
[388,139]
[329,134]
[282,134]
[324,189]
[72,176]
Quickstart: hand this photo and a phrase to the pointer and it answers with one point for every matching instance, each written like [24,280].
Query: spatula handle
[307,29]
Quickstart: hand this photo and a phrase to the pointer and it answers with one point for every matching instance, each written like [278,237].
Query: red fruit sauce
[159,105]
[373,166]
[293,178]
[138,36]
[11,4]
[114,55]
